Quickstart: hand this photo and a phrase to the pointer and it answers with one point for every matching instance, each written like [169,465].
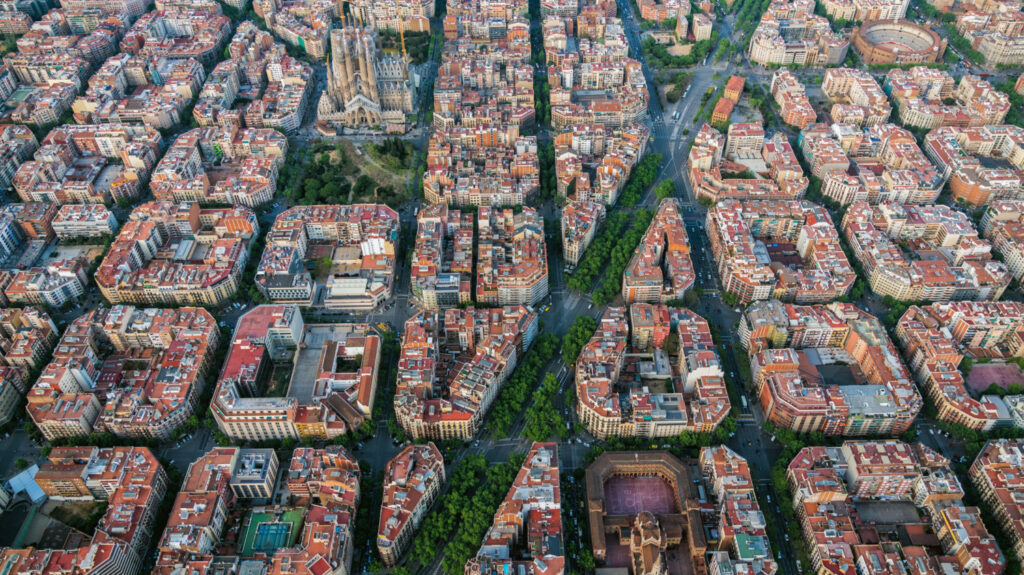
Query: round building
[897,42]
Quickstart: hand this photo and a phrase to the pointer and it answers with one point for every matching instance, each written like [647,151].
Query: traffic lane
[940,441]
[18,445]
[182,453]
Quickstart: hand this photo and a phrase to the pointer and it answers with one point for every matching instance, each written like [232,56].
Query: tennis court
[270,537]
[267,532]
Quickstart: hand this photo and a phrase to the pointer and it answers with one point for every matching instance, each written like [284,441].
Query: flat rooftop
[307,357]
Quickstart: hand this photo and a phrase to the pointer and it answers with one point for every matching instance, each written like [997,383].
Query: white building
[84,220]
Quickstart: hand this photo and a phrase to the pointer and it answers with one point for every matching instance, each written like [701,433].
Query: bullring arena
[623,486]
[897,42]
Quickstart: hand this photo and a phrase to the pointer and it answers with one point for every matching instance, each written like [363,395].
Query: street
[673,129]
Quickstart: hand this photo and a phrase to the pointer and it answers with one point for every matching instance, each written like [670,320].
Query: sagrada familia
[365,86]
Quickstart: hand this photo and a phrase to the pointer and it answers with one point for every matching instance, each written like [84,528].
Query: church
[366,87]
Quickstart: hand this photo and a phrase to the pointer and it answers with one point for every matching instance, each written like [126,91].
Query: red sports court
[631,495]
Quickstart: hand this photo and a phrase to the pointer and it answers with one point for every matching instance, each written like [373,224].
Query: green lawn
[294,516]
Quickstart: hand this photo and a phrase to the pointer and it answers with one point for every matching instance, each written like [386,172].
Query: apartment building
[786,250]
[32,223]
[324,490]
[734,88]
[477,124]
[360,240]
[442,259]
[594,80]
[179,33]
[92,473]
[129,480]
[178,254]
[790,33]
[39,105]
[412,481]
[1015,404]
[39,87]
[222,165]
[856,97]
[53,34]
[743,545]
[67,415]
[532,510]
[89,164]
[505,251]
[27,336]
[398,15]
[625,350]
[14,22]
[569,8]
[579,222]
[865,10]
[660,269]
[709,168]
[84,221]
[936,338]
[277,86]
[47,69]
[478,349]
[593,163]
[744,140]
[722,111]
[834,489]
[131,8]
[827,368]
[921,94]
[899,247]
[702,25]
[983,164]
[332,397]
[997,34]
[511,257]
[140,89]
[657,11]
[91,364]
[789,94]
[995,473]
[53,284]
[12,235]
[1001,225]
[13,384]
[880,163]
[304,24]
[17,144]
